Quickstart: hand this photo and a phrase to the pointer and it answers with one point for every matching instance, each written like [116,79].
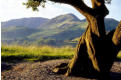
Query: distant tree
[96,50]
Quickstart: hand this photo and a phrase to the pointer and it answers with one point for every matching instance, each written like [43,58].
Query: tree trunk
[96,50]
[90,56]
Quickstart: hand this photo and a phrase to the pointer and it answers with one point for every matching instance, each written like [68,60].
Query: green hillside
[110,24]
[62,21]
[32,22]
[14,32]
[57,31]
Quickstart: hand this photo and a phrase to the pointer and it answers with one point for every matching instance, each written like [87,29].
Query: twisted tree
[96,50]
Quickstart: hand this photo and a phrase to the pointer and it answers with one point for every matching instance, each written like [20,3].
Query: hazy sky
[13,9]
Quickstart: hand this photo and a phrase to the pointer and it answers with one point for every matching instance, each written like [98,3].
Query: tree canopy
[34,4]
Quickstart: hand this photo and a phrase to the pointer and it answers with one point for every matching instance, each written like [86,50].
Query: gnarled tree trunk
[96,50]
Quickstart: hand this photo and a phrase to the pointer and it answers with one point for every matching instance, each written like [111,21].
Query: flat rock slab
[43,71]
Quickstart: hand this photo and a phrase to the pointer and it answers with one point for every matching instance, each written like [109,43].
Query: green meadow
[34,53]
[17,53]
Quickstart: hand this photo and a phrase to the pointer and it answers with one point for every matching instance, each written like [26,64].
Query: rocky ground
[43,71]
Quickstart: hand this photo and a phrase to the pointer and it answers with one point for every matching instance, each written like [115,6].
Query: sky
[13,9]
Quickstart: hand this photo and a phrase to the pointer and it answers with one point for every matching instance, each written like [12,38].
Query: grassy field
[34,53]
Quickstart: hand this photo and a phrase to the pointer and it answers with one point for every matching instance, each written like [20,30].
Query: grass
[34,53]
[17,53]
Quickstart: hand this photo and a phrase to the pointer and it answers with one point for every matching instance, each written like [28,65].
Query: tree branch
[117,36]
[83,8]
[96,3]
[78,4]
[99,7]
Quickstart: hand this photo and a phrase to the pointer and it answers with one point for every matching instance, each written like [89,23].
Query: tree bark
[94,55]
[88,57]
[96,50]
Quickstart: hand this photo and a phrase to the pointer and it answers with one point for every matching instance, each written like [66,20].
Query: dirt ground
[43,71]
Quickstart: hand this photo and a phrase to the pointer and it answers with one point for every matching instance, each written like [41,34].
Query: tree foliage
[34,4]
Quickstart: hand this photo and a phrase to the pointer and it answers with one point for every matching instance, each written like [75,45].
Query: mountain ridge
[56,30]
[31,22]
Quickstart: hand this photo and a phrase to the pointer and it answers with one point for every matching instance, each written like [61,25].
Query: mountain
[14,32]
[32,22]
[62,21]
[111,24]
[56,31]
[60,25]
